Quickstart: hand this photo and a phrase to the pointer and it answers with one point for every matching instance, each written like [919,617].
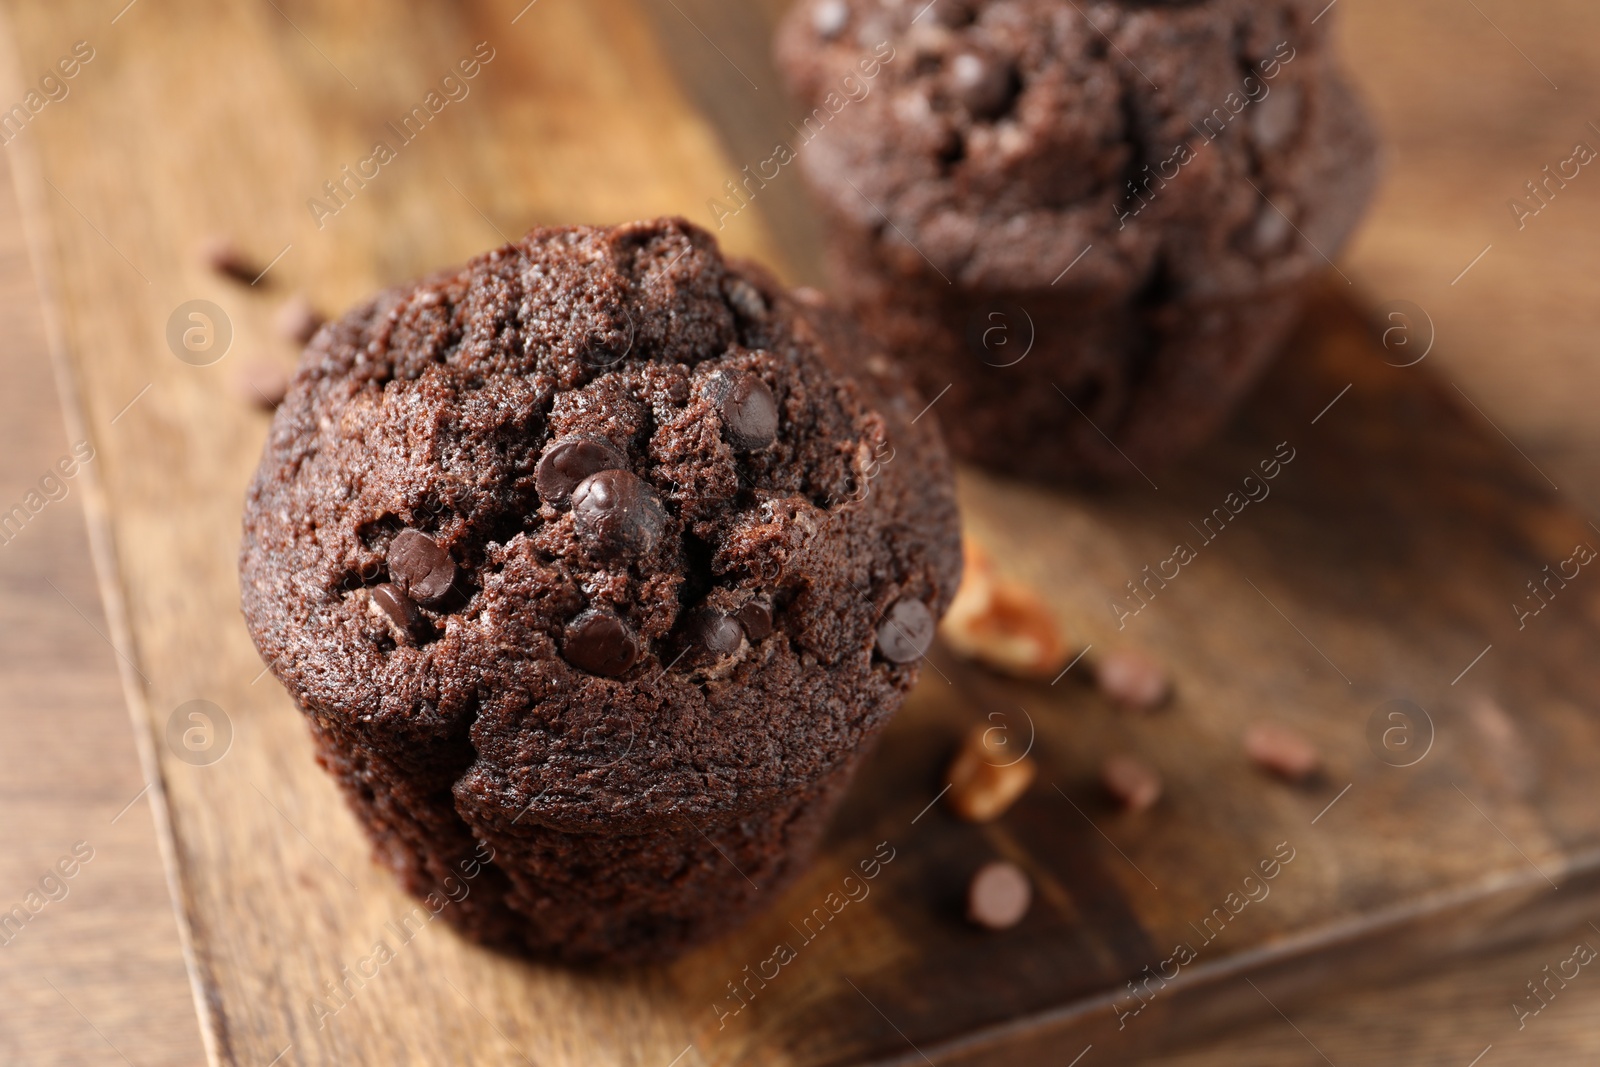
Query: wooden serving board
[1384,565]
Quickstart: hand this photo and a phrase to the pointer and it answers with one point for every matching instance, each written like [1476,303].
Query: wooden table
[99,970]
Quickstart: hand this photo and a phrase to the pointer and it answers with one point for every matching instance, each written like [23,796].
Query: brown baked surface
[1133,194]
[599,769]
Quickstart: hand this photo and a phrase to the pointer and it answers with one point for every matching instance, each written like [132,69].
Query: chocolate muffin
[605,559]
[1094,223]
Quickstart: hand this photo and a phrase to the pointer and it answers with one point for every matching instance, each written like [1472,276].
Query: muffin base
[608,898]
[1063,386]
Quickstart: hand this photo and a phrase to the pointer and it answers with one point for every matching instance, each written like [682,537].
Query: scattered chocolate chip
[222,255]
[749,413]
[999,895]
[1281,750]
[982,84]
[745,298]
[1132,679]
[600,643]
[617,512]
[569,460]
[1134,783]
[296,320]
[829,18]
[405,621]
[906,631]
[713,635]
[419,566]
[262,383]
[756,618]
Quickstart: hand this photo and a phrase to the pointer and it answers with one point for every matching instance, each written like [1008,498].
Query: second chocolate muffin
[592,559]
[1094,223]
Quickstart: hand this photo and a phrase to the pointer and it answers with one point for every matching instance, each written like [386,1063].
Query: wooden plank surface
[99,944]
[174,485]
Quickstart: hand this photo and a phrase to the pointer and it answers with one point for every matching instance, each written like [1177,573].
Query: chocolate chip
[1133,782]
[1284,751]
[1132,679]
[906,631]
[982,84]
[713,635]
[600,643]
[419,566]
[400,611]
[222,255]
[756,618]
[745,298]
[296,320]
[617,512]
[999,895]
[262,384]
[829,18]
[569,460]
[749,413]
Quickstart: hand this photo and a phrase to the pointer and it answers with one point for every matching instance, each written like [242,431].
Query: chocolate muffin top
[997,140]
[600,530]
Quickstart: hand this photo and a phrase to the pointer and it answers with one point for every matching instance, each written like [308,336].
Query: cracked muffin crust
[582,553]
[1139,190]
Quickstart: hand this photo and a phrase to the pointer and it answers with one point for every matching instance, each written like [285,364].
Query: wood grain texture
[96,967]
[1395,541]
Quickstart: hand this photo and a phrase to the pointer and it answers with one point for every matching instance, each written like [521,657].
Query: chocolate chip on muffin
[419,567]
[906,631]
[569,460]
[615,512]
[600,643]
[561,554]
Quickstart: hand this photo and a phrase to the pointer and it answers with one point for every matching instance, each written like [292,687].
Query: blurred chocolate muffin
[607,560]
[1093,222]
